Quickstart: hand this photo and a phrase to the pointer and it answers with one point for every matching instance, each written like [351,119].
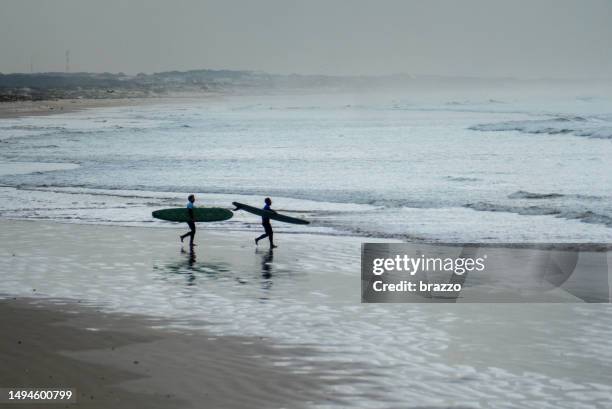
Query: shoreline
[596,247]
[18,109]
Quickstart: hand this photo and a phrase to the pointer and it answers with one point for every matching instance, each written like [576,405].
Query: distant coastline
[52,86]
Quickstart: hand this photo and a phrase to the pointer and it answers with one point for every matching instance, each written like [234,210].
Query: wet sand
[320,344]
[129,361]
[119,361]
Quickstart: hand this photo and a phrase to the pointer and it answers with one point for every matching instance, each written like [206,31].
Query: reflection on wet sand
[191,268]
[267,257]
[195,266]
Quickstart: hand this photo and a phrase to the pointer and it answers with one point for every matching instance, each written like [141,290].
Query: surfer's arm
[190,212]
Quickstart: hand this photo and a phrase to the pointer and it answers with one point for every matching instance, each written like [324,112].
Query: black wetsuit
[191,224]
[192,228]
[265,222]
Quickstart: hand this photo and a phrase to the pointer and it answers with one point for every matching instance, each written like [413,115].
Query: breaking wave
[595,128]
[585,216]
[522,194]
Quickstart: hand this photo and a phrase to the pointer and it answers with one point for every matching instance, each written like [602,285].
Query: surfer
[265,222]
[191,222]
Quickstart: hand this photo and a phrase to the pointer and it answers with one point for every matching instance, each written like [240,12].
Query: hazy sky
[523,38]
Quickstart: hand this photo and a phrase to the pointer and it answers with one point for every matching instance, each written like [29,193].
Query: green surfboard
[271,215]
[201,214]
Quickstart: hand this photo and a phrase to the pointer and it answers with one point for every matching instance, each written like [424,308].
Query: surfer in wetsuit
[191,222]
[265,222]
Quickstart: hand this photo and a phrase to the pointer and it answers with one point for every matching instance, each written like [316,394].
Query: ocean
[465,170]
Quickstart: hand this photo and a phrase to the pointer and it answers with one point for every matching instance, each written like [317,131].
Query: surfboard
[201,214]
[274,216]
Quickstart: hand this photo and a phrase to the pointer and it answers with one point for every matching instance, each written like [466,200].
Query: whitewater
[461,170]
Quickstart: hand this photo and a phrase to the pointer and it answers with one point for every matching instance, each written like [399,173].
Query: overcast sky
[522,38]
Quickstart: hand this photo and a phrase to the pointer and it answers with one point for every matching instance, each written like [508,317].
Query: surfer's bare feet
[256,242]
[181,237]
[273,246]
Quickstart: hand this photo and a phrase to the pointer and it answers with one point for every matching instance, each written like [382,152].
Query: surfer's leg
[263,236]
[182,236]
[269,234]
[192,232]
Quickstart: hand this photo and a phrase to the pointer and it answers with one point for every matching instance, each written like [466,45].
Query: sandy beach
[63,106]
[129,316]
[137,361]
[50,107]
[120,361]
